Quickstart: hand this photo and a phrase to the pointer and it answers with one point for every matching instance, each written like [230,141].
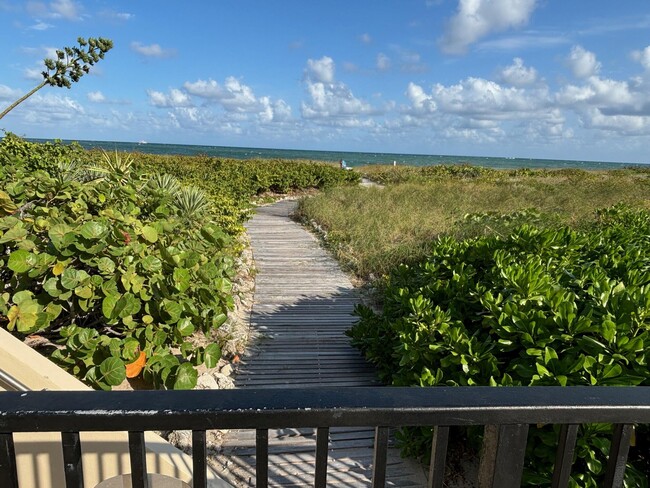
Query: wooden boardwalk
[301,310]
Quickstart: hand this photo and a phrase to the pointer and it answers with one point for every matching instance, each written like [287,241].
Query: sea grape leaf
[113,371]
[21,261]
[69,279]
[151,264]
[58,268]
[7,206]
[219,320]
[130,349]
[61,236]
[85,291]
[16,233]
[106,265]
[185,327]
[212,355]
[26,317]
[186,377]
[149,233]
[223,285]
[181,279]
[173,309]
[108,305]
[93,230]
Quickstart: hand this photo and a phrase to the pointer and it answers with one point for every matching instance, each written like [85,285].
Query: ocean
[351,158]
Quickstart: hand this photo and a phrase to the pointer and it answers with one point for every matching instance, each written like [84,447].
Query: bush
[540,306]
[113,269]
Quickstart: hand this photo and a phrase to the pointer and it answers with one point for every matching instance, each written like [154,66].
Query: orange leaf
[133,369]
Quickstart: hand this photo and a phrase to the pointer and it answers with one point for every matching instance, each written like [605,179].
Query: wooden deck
[301,310]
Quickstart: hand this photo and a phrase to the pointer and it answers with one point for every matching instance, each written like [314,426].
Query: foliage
[121,259]
[411,174]
[540,306]
[374,230]
[109,270]
[70,65]
[233,184]
[33,155]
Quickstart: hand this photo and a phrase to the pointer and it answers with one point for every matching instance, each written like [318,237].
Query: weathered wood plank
[303,306]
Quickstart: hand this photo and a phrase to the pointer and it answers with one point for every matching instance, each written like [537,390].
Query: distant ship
[142,142]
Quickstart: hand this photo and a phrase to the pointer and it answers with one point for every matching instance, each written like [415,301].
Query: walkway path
[301,310]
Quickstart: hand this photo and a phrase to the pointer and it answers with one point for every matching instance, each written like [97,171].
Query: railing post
[380,458]
[618,451]
[261,458]
[8,472]
[138,457]
[71,443]
[199,476]
[322,451]
[502,456]
[564,455]
[438,456]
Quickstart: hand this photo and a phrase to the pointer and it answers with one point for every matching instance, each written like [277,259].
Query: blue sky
[516,78]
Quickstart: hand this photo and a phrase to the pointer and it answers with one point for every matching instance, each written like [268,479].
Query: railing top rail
[312,407]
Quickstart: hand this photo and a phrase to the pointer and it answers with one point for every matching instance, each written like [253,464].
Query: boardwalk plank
[302,308]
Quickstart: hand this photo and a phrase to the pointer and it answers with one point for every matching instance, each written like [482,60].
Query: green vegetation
[374,230]
[70,65]
[503,278]
[126,268]
[234,184]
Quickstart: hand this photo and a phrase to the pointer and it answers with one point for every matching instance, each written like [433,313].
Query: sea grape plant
[112,275]
[540,306]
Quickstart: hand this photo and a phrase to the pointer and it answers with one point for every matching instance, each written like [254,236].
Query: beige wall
[104,454]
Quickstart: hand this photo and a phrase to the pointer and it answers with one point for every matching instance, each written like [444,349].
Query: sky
[507,78]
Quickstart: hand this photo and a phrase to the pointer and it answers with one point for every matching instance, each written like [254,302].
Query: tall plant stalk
[71,64]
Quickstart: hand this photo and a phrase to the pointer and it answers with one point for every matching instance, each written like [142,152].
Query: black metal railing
[507,411]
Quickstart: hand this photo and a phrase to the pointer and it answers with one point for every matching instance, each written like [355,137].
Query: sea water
[351,158]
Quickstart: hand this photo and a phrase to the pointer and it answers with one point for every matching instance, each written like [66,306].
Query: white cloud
[41,26]
[34,74]
[175,98]
[517,74]
[96,97]
[420,101]
[49,109]
[484,111]
[116,16]
[365,38]
[383,62]
[238,99]
[66,9]
[320,70]
[152,50]
[233,95]
[9,94]
[643,57]
[482,98]
[477,18]
[331,102]
[582,63]
[57,9]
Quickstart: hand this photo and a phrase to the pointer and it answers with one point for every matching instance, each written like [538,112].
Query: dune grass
[373,229]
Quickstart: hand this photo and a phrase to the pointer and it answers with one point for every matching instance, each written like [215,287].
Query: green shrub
[109,270]
[540,306]
[35,156]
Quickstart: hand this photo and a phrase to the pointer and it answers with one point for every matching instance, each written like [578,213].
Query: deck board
[301,310]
